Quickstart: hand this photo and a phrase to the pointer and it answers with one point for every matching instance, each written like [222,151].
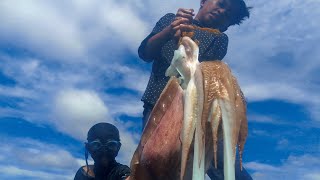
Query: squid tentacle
[188,129]
[215,120]
[228,148]
[212,97]
[199,144]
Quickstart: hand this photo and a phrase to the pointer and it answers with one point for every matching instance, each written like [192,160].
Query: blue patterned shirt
[212,46]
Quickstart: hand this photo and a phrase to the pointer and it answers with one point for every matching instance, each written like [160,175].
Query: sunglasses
[109,145]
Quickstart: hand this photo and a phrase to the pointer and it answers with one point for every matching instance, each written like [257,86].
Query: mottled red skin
[159,151]
[158,155]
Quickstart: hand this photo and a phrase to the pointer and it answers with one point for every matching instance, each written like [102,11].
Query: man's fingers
[183,27]
[185,13]
[177,35]
[180,25]
[186,27]
[179,21]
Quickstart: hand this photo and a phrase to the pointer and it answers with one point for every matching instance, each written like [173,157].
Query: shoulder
[170,15]
[167,17]
[123,166]
[121,171]
[84,173]
[164,21]
[223,37]
[219,37]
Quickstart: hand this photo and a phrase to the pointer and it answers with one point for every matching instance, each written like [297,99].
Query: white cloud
[312,176]
[38,83]
[31,158]
[58,159]
[261,91]
[261,167]
[282,143]
[37,75]
[95,28]
[129,141]
[265,35]
[70,30]
[39,27]
[128,104]
[295,167]
[30,67]
[262,119]
[76,110]
[16,92]
[274,57]
[132,78]
[258,132]
[167,6]
[12,172]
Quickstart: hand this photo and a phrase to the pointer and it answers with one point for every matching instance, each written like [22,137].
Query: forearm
[168,27]
[155,43]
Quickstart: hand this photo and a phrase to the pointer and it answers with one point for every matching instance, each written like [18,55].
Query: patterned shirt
[212,46]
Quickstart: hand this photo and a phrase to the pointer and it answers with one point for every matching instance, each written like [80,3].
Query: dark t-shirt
[212,46]
[116,172]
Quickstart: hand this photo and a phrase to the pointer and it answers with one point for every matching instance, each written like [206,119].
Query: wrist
[169,33]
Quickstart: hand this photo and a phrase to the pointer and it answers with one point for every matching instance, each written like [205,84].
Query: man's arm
[181,22]
[171,31]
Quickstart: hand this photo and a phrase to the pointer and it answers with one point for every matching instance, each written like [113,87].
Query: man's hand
[185,13]
[181,23]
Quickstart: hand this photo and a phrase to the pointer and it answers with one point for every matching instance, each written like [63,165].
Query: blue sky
[65,66]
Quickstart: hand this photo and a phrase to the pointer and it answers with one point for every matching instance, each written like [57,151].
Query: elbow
[143,55]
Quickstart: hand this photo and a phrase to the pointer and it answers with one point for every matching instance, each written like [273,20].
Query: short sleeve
[160,25]
[79,175]
[163,22]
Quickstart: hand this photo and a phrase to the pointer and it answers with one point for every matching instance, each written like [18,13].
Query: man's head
[220,14]
[103,143]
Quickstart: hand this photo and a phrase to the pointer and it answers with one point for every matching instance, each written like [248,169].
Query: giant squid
[202,106]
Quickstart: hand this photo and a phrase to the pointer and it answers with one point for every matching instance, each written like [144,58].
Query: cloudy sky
[66,65]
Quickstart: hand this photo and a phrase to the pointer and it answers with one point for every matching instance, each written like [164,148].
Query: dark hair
[103,131]
[239,12]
